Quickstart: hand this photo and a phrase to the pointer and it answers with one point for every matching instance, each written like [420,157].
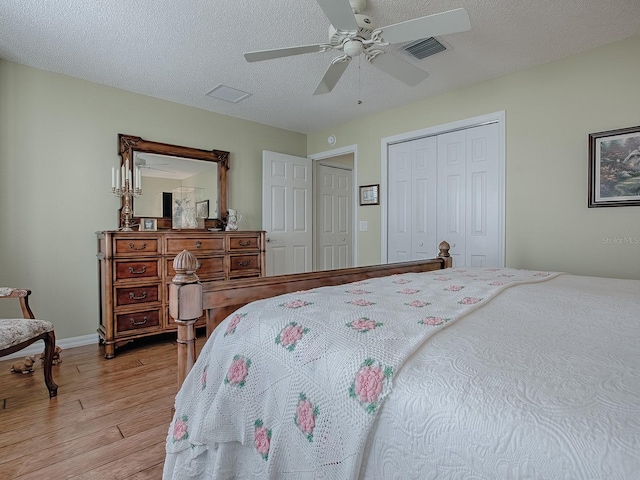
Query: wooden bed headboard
[188,297]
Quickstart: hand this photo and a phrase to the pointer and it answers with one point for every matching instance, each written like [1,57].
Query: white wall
[550,110]
[58,142]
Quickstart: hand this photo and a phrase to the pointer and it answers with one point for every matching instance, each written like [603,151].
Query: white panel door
[412,183]
[333,218]
[424,188]
[286,212]
[469,195]
[451,203]
[483,199]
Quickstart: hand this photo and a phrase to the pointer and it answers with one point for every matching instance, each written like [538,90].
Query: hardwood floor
[109,420]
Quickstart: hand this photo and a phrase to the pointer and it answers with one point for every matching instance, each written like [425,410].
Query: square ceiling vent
[228,94]
[424,48]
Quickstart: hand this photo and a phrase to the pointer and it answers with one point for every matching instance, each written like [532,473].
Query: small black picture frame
[369,194]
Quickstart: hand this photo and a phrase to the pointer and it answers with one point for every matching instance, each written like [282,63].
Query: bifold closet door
[412,198]
[468,201]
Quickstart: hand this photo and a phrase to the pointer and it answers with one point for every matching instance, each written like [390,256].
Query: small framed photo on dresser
[148,225]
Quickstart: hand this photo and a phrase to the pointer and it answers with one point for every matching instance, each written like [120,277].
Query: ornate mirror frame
[129,144]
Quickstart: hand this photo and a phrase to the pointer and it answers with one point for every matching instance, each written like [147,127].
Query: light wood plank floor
[109,420]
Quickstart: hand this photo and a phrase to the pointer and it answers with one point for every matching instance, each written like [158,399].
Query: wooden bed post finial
[444,254]
[185,306]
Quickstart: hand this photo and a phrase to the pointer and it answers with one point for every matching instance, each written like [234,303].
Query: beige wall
[550,110]
[58,142]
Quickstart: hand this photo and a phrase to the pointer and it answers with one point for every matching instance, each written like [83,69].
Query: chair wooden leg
[49,349]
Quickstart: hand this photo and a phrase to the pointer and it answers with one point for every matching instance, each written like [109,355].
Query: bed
[456,373]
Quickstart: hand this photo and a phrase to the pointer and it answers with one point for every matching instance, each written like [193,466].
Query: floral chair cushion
[17,330]
[6,291]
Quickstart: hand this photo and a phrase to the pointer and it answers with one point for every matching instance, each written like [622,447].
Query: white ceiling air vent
[424,48]
[228,94]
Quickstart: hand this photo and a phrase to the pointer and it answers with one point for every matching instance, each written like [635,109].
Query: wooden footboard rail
[188,297]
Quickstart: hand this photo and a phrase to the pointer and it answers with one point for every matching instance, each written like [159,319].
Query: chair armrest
[23,295]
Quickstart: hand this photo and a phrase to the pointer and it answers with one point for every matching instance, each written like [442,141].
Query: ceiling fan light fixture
[228,94]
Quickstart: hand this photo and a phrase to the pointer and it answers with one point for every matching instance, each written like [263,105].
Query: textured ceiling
[180,50]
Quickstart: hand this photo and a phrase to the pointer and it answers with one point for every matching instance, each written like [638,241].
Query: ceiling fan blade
[401,69]
[331,77]
[339,14]
[281,52]
[444,23]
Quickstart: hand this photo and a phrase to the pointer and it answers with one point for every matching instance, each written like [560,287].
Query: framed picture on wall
[614,168]
[369,195]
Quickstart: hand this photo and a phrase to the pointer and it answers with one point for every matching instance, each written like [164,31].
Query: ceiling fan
[354,34]
[143,163]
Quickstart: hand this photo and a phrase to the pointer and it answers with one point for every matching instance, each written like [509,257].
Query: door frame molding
[495,117]
[353,149]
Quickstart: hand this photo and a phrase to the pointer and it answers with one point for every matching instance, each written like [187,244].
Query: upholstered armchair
[18,333]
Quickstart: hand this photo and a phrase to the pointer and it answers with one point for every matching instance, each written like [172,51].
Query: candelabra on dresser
[129,189]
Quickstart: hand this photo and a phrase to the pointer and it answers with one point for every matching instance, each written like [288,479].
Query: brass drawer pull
[132,246]
[139,272]
[132,296]
[198,244]
[245,263]
[133,322]
[242,244]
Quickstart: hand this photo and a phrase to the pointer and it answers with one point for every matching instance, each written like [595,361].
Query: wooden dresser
[136,268]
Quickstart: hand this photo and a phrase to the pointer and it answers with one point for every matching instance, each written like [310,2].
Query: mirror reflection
[164,169]
[161,174]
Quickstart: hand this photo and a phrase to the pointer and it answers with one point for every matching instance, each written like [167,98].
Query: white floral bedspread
[301,377]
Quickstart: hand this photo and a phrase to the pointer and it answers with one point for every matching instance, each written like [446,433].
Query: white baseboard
[37,348]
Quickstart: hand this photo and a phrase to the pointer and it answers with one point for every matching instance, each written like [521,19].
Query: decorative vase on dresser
[136,268]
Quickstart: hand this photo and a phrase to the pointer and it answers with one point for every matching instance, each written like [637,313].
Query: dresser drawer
[136,246]
[209,267]
[195,244]
[134,269]
[132,322]
[126,295]
[242,263]
[245,242]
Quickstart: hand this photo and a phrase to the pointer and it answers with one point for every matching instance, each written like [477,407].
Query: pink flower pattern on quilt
[361,302]
[408,291]
[305,417]
[469,300]
[364,324]
[235,320]
[358,291]
[295,304]
[453,288]
[433,321]
[238,371]
[290,335]
[262,439]
[417,304]
[369,383]
[203,377]
[180,429]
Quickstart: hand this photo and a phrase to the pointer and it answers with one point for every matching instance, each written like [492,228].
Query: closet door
[411,204]
[452,198]
[469,195]
[482,245]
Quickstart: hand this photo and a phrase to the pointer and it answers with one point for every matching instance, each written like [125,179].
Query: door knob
[269,240]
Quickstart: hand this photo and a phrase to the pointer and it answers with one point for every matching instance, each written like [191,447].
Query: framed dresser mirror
[162,167]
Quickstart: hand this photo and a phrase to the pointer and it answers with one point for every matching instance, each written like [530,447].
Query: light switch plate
[364,225]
